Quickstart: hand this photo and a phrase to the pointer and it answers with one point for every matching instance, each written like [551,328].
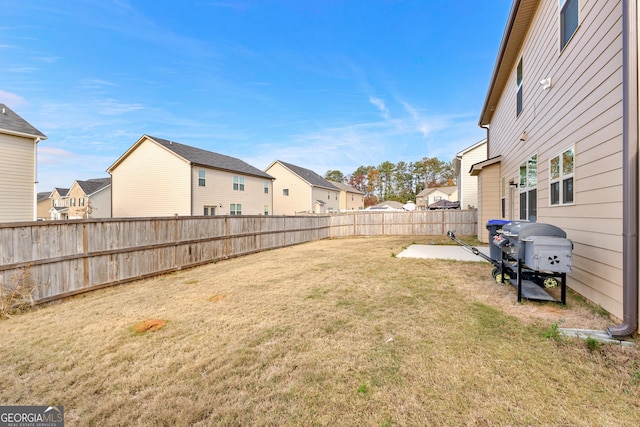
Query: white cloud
[381,106]
[11,99]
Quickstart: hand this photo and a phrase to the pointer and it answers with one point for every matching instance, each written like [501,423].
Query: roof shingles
[13,123]
[198,156]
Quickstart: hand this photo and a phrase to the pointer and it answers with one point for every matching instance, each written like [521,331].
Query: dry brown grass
[335,332]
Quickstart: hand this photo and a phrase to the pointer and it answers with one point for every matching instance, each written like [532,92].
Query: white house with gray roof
[18,179]
[301,191]
[159,177]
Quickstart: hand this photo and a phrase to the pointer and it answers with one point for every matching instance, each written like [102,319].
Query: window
[528,187]
[568,20]
[209,211]
[235,209]
[238,183]
[519,88]
[328,195]
[266,187]
[201,178]
[285,192]
[266,209]
[73,201]
[561,178]
[81,201]
[437,198]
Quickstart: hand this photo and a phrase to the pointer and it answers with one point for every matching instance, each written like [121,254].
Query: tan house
[562,118]
[298,190]
[431,195]
[44,205]
[90,199]
[59,204]
[351,199]
[18,180]
[158,177]
[467,183]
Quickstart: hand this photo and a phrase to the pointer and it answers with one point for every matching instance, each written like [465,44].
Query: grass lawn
[334,332]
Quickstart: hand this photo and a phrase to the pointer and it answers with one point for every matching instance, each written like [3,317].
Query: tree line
[399,182]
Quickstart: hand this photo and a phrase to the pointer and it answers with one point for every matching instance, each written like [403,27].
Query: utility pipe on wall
[629,172]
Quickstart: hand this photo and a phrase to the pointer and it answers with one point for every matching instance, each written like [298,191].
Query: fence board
[67,257]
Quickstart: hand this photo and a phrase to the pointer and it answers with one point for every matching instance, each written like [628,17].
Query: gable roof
[199,157]
[344,187]
[520,17]
[307,175]
[43,195]
[61,191]
[13,124]
[429,190]
[477,167]
[94,185]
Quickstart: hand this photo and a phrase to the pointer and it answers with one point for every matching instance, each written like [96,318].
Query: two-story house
[18,180]
[298,190]
[561,114]
[431,195]
[59,203]
[351,199]
[467,183]
[90,199]
[159,177]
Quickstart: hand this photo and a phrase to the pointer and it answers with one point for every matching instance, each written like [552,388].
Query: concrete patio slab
[458,253]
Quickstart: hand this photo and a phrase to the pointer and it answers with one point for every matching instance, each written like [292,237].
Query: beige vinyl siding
[468,185]
[151,181]
[583,109]
[329,197]
[351,201]
[489,192]
[75,193]
[101,203]
[17,188]
[299,198]
[218,190]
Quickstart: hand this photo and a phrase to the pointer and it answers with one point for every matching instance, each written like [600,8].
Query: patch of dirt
[216,298]
[149,325]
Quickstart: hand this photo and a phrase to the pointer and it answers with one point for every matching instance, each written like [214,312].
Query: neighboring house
[18,176]
[351,199]
[467,183]
[59,203]
[391,206]
[90,199]
[43,206]
[298,190]
[562,118]
[158,177]
[432,195]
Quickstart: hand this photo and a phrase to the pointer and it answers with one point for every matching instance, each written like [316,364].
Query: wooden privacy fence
[417,223]
[67,257]
[63,258]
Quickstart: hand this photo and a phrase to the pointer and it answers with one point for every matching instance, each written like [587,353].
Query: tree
[386,180]
[334,175]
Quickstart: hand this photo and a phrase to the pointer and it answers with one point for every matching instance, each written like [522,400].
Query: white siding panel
[151,181]
[17,174]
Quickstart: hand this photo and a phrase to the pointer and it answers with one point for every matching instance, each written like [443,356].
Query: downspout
[629,172]
[35,179]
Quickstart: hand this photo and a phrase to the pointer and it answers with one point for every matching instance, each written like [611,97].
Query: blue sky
[322,84]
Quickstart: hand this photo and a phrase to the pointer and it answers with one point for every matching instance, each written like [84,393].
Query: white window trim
[563,177]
